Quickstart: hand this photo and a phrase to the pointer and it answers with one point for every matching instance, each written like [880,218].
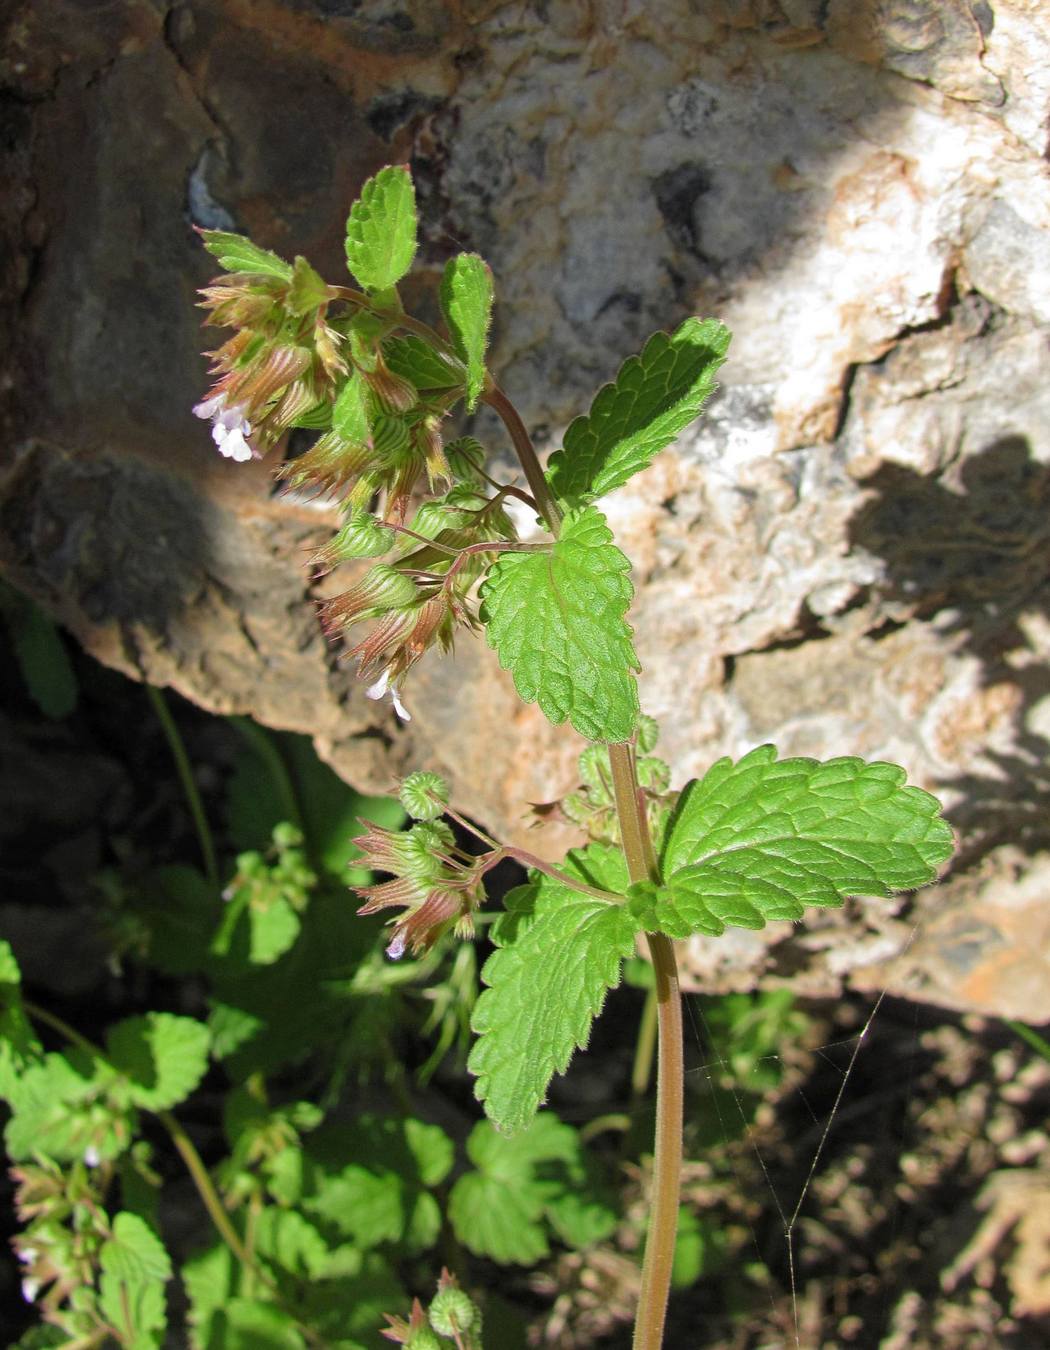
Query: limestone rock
[847,555]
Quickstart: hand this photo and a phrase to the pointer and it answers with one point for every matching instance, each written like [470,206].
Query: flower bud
[424,795]
[393,393]
[383,588]
[390,438]
[328,466]
[648,734]
[420,849]
[361,537]
[452,1312]
[465,457]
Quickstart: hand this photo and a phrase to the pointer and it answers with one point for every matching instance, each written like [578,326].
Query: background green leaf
[557,623]
[762,838]
[381,230]
[524,1184]
[40,652]
[135,1267]
[559,952]
[466,302]
[654,396]
[163,1056]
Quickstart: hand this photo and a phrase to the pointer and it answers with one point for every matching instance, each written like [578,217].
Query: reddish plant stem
[641,866]
[527,457]
[670,1067]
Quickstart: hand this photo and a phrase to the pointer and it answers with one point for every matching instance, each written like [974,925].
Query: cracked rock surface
[848,554]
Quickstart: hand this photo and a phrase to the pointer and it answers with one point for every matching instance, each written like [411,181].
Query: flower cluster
[422,597]
[283,362]
[66,1226]
[305,354]
[436,884]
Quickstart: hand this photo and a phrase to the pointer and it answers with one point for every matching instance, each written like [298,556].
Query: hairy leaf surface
[763,838]
[417,361]
[381,230]
[557,622]
[466,302]
[655,395]
[559,952]
[350,412]
[238,254]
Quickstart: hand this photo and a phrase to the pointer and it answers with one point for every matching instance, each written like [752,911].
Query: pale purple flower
[396,950]
[382,686]
[229,427]
[30,1289]
[92,1157]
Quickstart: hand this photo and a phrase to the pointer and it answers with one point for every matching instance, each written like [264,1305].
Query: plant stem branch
[670,1066]
[527,457]
[189,786]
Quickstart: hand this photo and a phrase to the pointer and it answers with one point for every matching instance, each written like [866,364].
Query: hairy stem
[642,1069]
[670,1067]
[667,1152]
[527,457]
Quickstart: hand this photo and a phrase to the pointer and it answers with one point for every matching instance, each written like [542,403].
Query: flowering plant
[751,841]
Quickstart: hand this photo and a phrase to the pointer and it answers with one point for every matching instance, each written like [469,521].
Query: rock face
[849,554]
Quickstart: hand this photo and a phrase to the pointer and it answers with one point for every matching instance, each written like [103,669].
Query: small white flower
[381,687]
[92,1157]
[229,428]
[30,1289]
[211,407]
[396,950]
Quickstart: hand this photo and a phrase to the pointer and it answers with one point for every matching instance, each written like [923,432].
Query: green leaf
[557,623]
[135,1267]
[466,302]
[763,838]
[291,1242]
[163,1057]
[238,254]
[246,1324]
[431,1149]
[273,931]
[60,1109]
[41,655]
[19,1046]
[559,952]
[521,1181]
[416,361]
[350,412]
[654,396]
[496,1222]
[381,230]
[369,1181]
[581,1219]
[208,1279]
[308,290]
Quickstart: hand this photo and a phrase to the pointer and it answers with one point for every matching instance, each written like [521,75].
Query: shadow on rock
[974,559]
